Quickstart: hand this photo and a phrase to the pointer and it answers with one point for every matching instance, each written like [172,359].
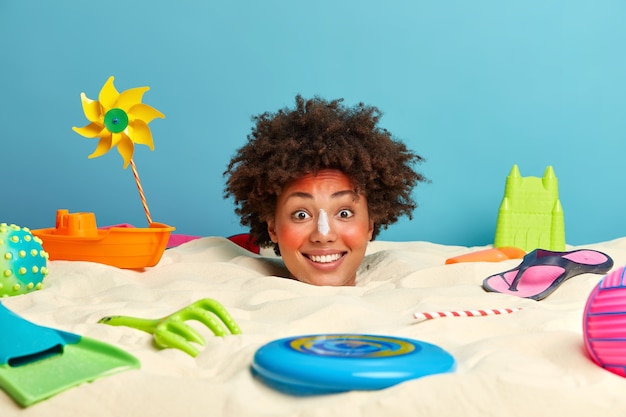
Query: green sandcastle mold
[531,215]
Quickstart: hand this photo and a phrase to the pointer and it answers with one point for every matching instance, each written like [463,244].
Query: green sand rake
[172,331]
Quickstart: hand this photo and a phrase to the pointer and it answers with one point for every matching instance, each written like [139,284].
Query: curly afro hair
[317,135]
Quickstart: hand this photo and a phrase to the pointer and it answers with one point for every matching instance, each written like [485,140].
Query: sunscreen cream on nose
[322,223]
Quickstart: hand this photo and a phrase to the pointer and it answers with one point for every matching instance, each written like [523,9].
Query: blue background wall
[473,86]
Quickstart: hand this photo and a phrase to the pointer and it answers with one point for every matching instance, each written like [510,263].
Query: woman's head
[322,228]
[314,136]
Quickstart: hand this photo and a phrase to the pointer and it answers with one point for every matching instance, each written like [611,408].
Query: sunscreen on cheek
[322,223]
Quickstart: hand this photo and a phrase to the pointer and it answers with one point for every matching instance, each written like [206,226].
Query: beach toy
[530,215]
[333,363]
[39,362]
[543,271]
[23,261]
[465,313]
[172,331]
[76,237]
[604,322]
[119,120]
[489,255]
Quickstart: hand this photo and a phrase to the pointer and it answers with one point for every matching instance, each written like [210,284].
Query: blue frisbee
[333,363]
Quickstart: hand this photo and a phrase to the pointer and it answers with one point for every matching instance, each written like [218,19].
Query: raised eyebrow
[300,195]
[339,194]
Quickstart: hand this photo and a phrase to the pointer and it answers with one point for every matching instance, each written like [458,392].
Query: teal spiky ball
[22,261]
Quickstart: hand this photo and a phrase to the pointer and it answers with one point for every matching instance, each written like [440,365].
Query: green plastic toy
[172,332]
[39,362]
[23,261]
[531,216]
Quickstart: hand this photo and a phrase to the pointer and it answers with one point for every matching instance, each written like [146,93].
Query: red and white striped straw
[465,313]
[140,188]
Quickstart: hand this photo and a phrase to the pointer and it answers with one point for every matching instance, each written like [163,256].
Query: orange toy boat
[77,238]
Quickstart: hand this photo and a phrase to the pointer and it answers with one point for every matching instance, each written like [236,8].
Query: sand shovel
[38,362]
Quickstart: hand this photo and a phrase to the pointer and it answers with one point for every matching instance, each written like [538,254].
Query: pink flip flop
[543,271]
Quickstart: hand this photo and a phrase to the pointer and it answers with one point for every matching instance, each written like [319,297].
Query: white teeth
[324,259]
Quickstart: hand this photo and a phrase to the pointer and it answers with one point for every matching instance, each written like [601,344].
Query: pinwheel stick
[140,188]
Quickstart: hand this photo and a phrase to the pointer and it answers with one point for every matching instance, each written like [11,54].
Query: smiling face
[322,228]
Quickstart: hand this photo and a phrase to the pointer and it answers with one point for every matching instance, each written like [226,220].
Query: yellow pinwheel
[119,120]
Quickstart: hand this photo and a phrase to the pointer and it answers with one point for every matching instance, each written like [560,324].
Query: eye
[345,214]
[301,215]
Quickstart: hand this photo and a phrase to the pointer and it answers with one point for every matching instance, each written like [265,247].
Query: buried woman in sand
[318,182]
